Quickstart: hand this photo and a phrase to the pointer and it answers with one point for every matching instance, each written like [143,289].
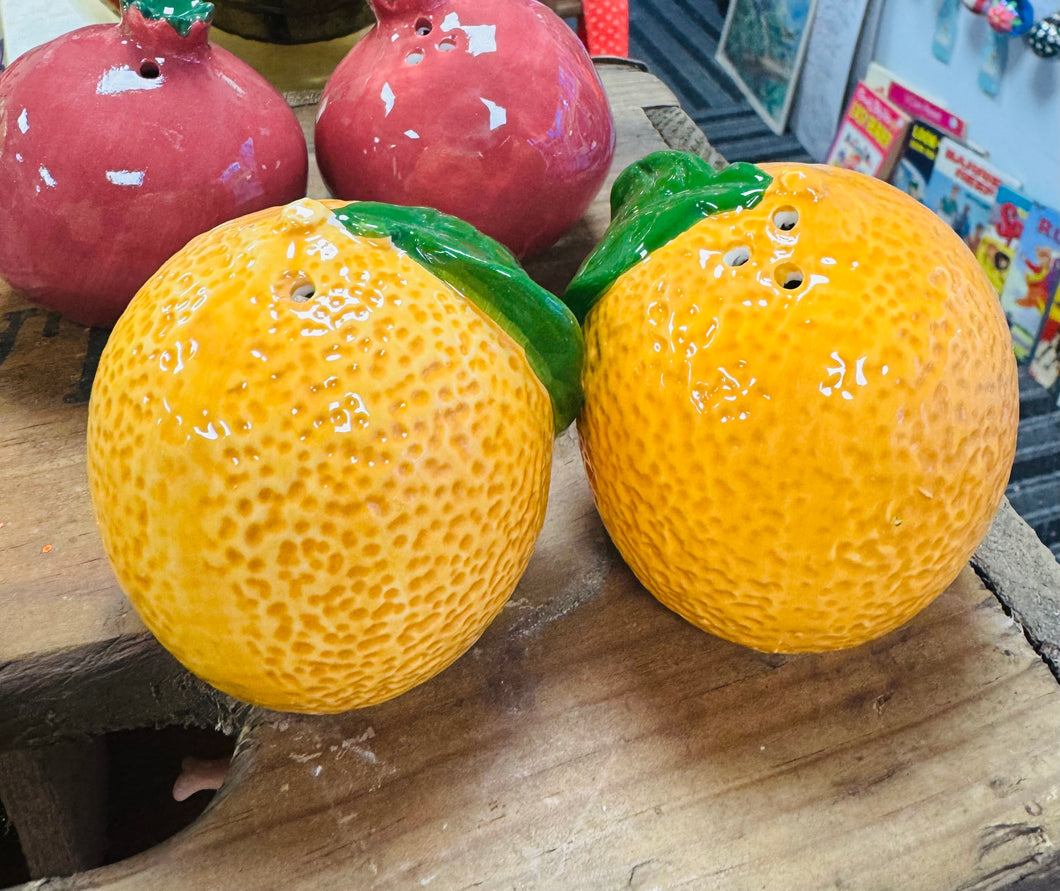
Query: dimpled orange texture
[800,451]
[314,504]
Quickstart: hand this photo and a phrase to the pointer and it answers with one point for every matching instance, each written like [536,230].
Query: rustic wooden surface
[57,797]
[612,745]
[591,739]
[1023,574]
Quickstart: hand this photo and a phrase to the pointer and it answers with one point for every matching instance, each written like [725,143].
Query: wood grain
[592,739]
[56,587]
[1025,576]
[56,796]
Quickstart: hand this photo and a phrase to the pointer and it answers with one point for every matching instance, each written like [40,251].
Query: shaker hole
[737,256]
[447,44]
[786,218]
[414,58]
[149,69]
[293,285]
[789,276]
[302,290]
[423,27]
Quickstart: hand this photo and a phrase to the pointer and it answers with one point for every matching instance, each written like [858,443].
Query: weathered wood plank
[679,131]
[616,746]
[56,588]
[1022,572]
[125,683]
[56,797]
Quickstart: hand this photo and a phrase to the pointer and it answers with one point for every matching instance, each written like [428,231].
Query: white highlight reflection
[480,38]
[210,432]
[126,177]
[122,79]
[318,244]
[343,416]
[838,373]
[498,115]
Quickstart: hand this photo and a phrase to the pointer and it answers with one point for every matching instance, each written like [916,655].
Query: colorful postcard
[963,188]
[914,103]
[762,46]
[916,106]
[869,138]
[994,244]
[917,160]
[1045,363]
[1028,297]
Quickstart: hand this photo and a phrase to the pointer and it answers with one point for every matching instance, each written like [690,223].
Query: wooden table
[590,739]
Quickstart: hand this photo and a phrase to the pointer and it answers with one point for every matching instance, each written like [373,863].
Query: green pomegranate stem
[652,202]
[488,274]
[179,14]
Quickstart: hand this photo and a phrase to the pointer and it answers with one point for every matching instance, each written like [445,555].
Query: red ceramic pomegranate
[489,110]
[119,143]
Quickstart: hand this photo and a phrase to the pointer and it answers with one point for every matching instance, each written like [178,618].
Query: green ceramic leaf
[652,202]
[489,275]
[181,14]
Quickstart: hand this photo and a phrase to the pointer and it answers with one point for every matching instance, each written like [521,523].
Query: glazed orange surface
[800,418]
[314,500]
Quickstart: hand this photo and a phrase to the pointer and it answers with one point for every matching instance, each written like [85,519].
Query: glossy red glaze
[118,144]
[489,110]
